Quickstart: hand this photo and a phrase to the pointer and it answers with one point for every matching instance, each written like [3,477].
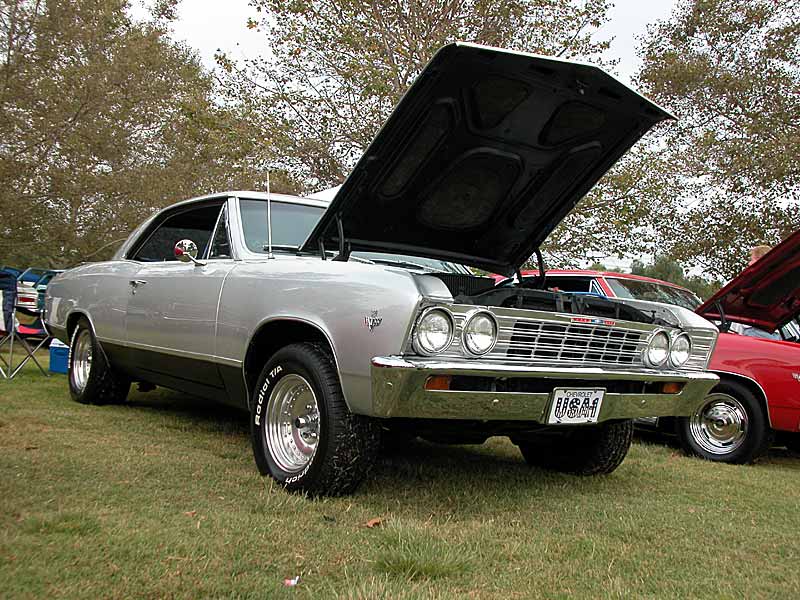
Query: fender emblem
[372,320]
[796,376]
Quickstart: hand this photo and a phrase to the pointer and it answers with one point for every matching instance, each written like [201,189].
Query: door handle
[135,283]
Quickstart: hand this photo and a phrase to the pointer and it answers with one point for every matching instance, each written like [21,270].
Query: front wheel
[302,432]
[586,450]
[731,426]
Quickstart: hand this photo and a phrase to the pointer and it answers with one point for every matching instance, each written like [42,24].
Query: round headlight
[658,349]
[681,350]
[434,331]
[480,333]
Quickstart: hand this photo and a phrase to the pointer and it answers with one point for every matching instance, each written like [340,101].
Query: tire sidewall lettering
[271,377]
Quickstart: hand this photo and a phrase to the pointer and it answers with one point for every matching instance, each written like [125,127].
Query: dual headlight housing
[663,348]
[435,330]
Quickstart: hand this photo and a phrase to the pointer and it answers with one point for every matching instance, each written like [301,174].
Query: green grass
[161,498]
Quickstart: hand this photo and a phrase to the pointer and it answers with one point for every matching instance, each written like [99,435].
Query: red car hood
[766,294]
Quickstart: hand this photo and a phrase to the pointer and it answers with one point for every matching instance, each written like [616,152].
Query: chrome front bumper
[398,390]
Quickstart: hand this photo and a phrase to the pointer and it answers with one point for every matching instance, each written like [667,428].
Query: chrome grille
[702,345]
[539,338]
[556,342]
[548,341]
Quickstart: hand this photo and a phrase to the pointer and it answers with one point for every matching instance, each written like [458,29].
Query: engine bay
[481,291]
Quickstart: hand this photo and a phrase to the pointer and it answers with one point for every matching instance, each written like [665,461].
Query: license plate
[571,406]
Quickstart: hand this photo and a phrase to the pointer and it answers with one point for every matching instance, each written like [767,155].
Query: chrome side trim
[231,362]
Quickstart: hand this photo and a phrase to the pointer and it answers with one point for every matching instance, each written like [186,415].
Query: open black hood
[485,154]
[766,294]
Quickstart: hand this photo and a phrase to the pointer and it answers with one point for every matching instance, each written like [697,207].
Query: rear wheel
[731,426]
[302,432]
[92,380]
[588,450]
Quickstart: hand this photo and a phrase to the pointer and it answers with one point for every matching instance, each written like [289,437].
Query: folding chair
[13,331]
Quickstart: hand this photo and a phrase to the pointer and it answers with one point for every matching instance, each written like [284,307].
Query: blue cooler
[59,355]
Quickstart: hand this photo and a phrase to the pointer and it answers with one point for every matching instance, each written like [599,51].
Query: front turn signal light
[438,382]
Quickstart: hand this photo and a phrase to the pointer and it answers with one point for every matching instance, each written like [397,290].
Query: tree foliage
[667,269]
[103,119]
[730,70]
[336,68]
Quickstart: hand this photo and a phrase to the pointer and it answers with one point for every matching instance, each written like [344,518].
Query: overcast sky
[208,25]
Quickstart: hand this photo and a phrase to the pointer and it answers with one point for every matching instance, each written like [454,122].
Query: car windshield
[655,292]
[431,265]
[292,223]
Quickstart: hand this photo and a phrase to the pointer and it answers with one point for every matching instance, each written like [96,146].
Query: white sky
[208,25]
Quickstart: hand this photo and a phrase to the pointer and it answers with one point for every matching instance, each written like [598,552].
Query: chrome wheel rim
[720,426]
[81,359]
[292,430]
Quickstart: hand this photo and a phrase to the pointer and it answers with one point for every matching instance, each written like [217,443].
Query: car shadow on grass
[184,410]
[777,457]
[421,466]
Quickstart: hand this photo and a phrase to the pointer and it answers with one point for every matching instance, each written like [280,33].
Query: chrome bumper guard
[398,390]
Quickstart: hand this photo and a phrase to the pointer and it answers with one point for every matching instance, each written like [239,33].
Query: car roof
[253,195]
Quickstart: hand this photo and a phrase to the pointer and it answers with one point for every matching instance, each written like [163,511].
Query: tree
[667,269]
[336,68]
[730,70]
[102,120]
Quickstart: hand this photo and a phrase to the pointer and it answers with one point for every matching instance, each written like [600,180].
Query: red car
[758,361]
[615,285]
[757,355]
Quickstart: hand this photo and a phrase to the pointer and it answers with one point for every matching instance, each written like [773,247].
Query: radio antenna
[269,220]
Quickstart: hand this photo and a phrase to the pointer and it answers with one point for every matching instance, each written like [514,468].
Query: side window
[221,245]
[569,283]
[196,224]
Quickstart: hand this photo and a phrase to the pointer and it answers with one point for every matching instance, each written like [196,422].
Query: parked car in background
[757,355]
[31,285]
[615,285]
[336,325]
[758,360]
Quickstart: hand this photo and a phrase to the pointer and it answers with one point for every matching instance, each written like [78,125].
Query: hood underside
[485,154]
[766,294]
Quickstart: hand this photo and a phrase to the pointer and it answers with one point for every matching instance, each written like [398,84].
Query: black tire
[102,385]
[701,437]
[347,445]
[587,450]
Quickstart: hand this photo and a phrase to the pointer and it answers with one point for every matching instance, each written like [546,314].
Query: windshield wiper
[265,248]
[403,263]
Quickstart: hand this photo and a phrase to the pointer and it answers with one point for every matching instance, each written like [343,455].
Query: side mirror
[186,251]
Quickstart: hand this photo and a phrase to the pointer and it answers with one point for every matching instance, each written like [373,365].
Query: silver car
[340,326]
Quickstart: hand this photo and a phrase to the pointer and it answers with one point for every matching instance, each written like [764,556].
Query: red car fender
[772,368]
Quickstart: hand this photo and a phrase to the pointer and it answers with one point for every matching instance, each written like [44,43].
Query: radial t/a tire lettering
[92,380]
[302,432]
[587,450]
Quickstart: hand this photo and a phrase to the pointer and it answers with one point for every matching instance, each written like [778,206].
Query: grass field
[160,498]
